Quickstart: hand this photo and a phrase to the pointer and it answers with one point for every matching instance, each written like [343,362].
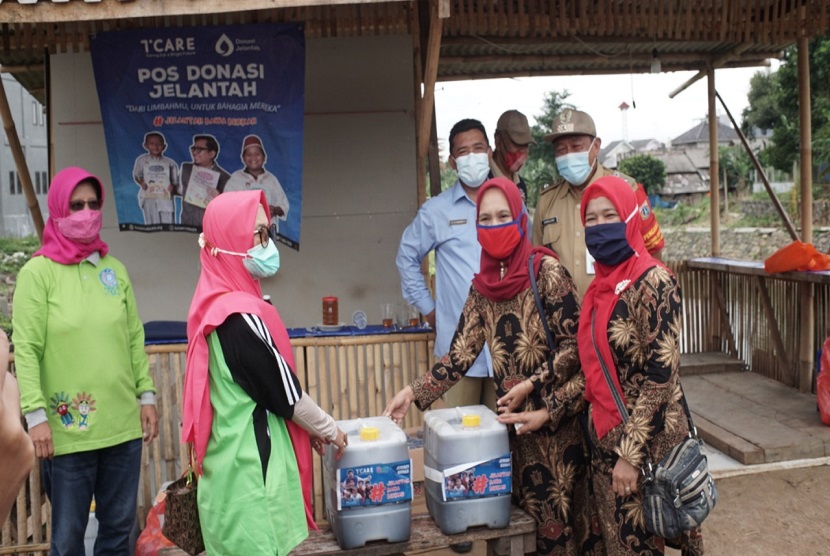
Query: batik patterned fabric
[644,335]
[550,479]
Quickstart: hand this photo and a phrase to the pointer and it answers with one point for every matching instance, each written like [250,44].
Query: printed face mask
[515,161]
[500,240]
[607,243]
[575,167]
[473,168]
[82,226]
[263,262]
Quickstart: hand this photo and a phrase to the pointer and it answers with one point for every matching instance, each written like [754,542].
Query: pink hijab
[56,246]
[225,287]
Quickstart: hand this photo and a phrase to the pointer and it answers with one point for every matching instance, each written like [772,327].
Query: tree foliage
[647,170]
[773,105]
[540,167]
[736,163]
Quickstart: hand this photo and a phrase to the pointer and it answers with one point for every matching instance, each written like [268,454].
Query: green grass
[684,215]
[10,264]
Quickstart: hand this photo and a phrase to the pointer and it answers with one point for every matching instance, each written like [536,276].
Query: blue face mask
[607,243]
[264,261]
[575,167]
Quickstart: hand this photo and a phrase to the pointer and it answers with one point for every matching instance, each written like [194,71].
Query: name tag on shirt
[459,222]
[551,220]
[589,263]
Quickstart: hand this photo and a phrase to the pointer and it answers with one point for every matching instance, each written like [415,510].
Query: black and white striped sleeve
[257,366]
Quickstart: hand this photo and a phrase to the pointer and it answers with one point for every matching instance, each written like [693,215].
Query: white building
[30,121]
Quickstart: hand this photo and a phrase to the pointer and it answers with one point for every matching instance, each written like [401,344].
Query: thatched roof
[480,39]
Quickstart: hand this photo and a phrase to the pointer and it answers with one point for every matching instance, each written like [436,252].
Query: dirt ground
[764,514]
[778,512]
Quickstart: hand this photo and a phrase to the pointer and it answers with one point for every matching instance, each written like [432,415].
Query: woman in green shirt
[85,386]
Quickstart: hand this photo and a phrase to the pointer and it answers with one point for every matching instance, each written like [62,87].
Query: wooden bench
[517,539]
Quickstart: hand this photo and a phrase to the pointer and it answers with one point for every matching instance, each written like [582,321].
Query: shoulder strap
[616,395]
[539,306]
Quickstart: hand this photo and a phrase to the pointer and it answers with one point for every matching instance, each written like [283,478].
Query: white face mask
[473,168]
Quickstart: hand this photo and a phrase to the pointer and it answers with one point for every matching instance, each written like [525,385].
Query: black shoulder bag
[679,492]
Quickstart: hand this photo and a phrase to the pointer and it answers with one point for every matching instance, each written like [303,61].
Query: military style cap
[571,122]
[515,124]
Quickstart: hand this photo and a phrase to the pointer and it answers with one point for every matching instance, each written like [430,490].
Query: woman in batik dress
[549,455]
[631,319]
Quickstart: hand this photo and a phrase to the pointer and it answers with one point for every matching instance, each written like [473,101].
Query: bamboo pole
[433,53]
[806,293]
[714,214]
[434,162]
[779,208]
[20,162]
[418,22]
[714,190]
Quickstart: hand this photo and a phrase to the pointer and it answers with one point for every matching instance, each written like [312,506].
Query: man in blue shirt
[447,224]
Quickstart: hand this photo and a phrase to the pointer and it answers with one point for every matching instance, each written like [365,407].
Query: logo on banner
[224,46]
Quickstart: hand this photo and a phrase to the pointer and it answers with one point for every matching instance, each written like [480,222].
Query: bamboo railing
[735,307]
[349,376]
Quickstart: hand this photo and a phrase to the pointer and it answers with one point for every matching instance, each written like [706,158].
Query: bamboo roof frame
[478,38]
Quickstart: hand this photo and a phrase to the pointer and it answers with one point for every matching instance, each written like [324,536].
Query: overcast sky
[655,116]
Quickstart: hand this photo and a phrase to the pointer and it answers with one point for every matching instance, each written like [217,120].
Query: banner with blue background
[193,112]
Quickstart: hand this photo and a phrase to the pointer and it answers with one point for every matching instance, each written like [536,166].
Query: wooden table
[517,539]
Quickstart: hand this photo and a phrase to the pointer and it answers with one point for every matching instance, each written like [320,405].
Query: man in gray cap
[512,139]
[557,223]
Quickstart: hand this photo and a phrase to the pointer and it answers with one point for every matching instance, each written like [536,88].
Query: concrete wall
[359,189]
[29,122]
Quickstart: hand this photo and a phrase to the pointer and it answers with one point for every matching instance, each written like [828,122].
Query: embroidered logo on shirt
[110,282]
[644,211]
[60,407]
[459,222]
[621,286]
[551,220]
[84,404]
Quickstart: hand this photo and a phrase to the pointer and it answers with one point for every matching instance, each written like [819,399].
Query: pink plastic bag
[823,384]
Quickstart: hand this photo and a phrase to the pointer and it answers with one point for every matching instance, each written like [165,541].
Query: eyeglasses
[265,232]
[76,206]
[195,149]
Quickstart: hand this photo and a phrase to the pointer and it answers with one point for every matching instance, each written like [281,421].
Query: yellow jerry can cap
[369,433]
[471,420]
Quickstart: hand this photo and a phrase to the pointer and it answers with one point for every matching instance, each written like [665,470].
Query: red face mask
[515,161]
[500,240]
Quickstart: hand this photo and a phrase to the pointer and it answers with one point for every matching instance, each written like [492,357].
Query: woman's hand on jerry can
[511,401]
[526,421]
[399,405]
[341,441]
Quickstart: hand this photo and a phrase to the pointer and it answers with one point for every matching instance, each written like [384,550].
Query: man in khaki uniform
[512,139]
[557,223]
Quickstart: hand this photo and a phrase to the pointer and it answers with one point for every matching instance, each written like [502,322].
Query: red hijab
[488,281]
[602,297]
[225,287]
[57,246]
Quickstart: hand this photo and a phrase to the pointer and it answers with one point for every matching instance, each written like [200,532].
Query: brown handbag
[181,514]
